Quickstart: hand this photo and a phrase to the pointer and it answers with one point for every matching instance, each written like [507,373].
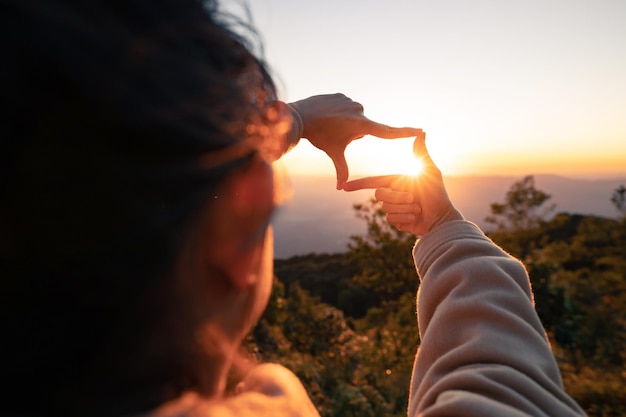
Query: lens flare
[412,167]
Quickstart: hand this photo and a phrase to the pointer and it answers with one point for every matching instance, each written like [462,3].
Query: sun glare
[413,167]
[376,157]
[370,157]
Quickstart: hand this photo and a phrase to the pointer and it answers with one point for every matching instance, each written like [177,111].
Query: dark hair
[108,108]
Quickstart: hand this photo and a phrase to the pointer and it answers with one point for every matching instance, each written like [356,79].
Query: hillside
[345,322]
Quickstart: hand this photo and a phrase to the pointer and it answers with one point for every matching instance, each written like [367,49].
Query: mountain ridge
[319,219]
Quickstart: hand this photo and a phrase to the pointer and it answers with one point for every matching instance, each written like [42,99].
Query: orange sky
[515,87]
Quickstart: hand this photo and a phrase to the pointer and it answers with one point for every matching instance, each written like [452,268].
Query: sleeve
[483,348]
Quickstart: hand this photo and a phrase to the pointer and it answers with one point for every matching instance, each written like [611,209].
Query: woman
[137,189]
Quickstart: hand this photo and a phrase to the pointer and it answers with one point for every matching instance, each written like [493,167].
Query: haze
[500,87]
[320,219]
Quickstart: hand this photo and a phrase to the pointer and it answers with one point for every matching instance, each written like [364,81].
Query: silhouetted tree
[517,220]
[619,199]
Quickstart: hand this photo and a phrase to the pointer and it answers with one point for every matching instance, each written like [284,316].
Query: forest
[345,323]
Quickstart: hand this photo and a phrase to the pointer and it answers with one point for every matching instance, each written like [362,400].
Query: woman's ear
[237,223]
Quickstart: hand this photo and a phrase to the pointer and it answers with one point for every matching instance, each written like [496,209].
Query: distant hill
[319,219]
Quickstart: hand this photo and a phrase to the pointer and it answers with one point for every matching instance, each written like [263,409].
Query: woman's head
[134,199]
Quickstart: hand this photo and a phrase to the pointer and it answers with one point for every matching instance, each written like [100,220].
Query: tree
[619,199]
[517,220]
[592,271]
[388,273]
[383,256]
[523,208]
[343,371]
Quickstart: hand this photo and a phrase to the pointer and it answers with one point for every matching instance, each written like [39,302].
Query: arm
[483,349]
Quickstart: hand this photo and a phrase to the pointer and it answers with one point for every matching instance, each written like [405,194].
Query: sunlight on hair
[283,190]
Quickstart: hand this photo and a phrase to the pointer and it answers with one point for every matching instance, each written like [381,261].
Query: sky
[514,87]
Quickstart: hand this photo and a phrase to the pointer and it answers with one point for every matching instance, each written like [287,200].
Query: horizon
[317,218]
[287,170]
[394,156]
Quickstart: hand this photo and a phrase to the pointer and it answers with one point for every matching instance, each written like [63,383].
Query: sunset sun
[385,158]
[410,166]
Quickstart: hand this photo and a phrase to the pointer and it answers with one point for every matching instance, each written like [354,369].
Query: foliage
[599,391]
[591,271]
[358,365]
[619,199]
[517,220]
[345,372]
[577,266]
[328,277]
[346,325]
[383,257]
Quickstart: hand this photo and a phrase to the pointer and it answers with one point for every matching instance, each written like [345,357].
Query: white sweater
[483,349]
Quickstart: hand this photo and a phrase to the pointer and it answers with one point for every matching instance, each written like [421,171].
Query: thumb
[341,166]
[420,152]
[419,145]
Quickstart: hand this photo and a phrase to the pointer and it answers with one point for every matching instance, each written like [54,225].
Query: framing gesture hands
[413,204]
[332,121]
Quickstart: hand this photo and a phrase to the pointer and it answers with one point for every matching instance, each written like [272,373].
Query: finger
[419,146]
[370,182]
[391,196]
[387,132]
[403,227]
[420,151]
[341,166]
[401,208]
[400,218]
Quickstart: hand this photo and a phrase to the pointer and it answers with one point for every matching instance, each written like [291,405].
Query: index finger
[387,132]
[370,182]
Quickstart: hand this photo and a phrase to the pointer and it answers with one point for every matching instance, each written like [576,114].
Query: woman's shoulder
[249,404]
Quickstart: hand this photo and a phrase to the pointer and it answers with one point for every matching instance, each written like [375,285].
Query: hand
[332,121]
[413,204]
[275,380]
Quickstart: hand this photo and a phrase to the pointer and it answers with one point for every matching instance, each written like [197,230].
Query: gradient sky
[501,87]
